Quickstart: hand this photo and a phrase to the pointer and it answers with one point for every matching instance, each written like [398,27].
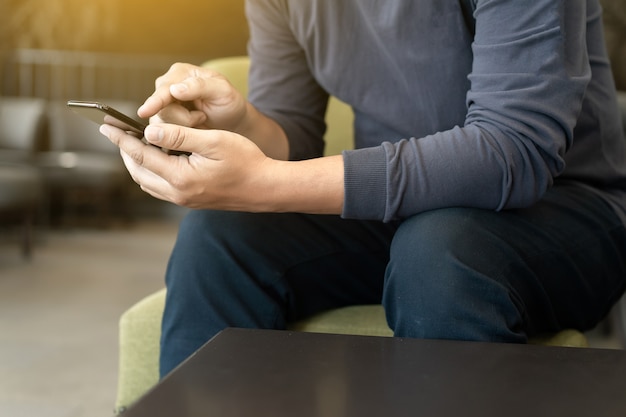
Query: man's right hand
[198,97]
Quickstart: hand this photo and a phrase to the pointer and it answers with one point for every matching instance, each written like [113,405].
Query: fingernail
[154,133]
[105,130]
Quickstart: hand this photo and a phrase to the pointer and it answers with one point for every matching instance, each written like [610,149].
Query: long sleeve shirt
[473,103]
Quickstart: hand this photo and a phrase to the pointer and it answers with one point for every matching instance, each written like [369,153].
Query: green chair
[140,331]
[140,326]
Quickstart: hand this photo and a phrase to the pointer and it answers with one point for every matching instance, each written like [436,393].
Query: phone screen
[101,113]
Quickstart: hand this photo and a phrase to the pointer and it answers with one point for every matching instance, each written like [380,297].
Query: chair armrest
[139,345]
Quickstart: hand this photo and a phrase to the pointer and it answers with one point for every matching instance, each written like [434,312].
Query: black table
[278,373]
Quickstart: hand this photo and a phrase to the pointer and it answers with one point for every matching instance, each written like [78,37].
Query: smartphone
[101,113]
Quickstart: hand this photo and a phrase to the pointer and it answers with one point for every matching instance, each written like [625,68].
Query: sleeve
[281,85]
[529,75]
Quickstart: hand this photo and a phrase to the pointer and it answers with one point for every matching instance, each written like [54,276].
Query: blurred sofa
[22,129]
[83,171]
[52,160]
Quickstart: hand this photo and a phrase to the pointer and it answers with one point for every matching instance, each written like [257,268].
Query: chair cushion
[365,320]
[140,332]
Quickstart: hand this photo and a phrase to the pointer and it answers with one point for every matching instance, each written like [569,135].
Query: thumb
[172,137]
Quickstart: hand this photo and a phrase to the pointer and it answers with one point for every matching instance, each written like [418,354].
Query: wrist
[312,186]
[264,132]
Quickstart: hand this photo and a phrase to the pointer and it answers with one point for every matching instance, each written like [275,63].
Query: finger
[160,99]
[163,183]
[140,152]
[178,138]
[162,96]
[147,165]
[146,179]
[183,83]
[202,85]
[179,114]
[120,137]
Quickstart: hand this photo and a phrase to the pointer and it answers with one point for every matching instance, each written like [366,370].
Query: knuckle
[173,69]
[180,200]
[177,66]
[137,156]
[159,81]
[177,138]
[178,182]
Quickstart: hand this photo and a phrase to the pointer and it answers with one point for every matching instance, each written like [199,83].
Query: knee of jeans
[439,284]
[453,306]
[423,304]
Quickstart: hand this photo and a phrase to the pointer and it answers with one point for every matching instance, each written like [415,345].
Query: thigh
[308,262]
[560,263]
[232,269]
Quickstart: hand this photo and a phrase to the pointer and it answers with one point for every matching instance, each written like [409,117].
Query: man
[486,199]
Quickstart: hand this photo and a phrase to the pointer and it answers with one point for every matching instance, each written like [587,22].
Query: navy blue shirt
[457,103]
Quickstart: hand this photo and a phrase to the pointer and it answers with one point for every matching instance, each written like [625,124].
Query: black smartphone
[102,113]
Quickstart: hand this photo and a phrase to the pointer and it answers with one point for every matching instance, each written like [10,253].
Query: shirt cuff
[365,184]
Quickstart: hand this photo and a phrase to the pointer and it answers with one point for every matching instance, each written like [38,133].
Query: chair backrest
[22,123]
[235,68]
[621,100]
[71,132]
[339,127]
[339,116]
[614,16]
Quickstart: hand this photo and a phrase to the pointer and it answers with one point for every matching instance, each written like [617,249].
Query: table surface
[244,372]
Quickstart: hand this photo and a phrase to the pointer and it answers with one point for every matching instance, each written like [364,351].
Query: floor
[59,313]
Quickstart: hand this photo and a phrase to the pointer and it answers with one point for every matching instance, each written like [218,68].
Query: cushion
[140,332]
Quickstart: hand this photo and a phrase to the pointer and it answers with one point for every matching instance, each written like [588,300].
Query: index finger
[182,83]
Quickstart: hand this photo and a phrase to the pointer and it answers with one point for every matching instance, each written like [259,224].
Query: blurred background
[109,51]
[79,243]
[69,47]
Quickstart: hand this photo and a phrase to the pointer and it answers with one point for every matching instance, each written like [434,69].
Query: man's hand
[193,96]
[227,171]
[220,173]
[198,97]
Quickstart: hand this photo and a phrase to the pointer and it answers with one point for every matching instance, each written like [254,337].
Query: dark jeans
[455,273]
